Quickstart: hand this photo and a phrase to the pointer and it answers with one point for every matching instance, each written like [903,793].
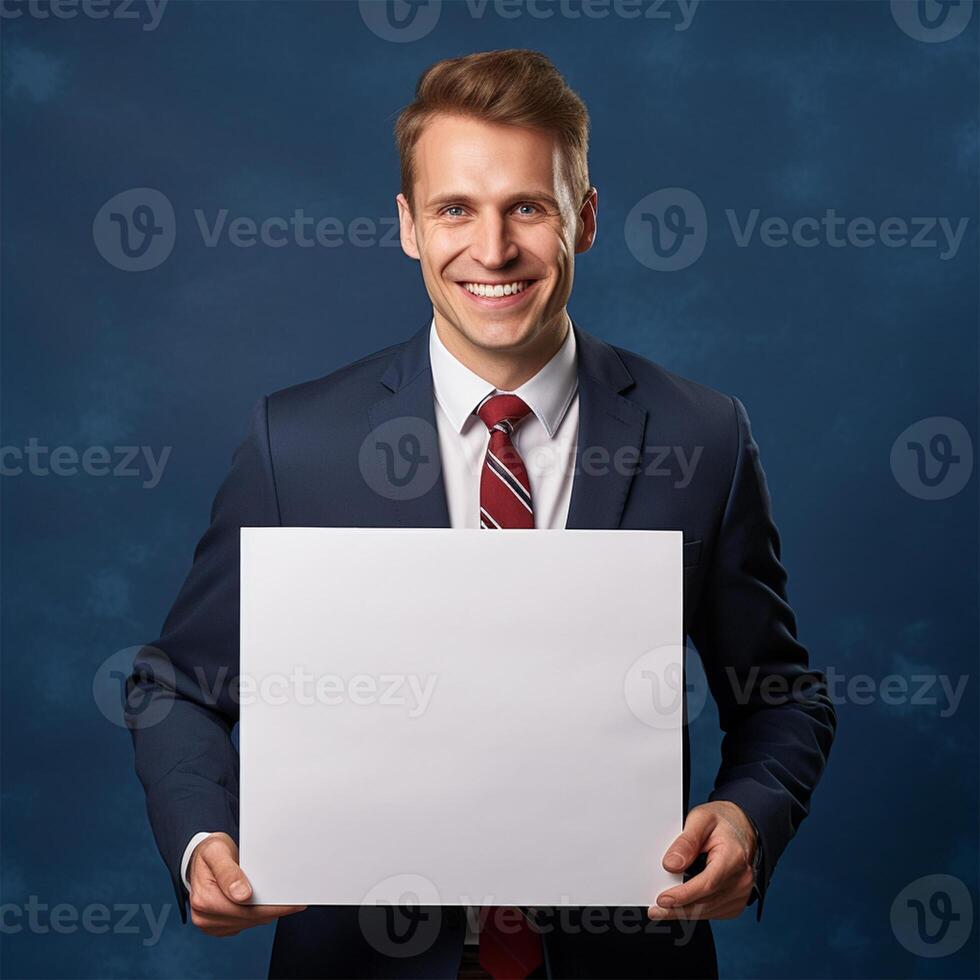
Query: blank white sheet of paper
[476,718]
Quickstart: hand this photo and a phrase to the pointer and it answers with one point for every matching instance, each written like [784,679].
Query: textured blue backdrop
[258,110]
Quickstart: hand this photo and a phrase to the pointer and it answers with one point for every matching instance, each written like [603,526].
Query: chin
[497,334]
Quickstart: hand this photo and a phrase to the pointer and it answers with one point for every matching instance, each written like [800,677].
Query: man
[495,204]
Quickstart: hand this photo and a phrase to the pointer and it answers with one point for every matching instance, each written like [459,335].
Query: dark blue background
[263,108]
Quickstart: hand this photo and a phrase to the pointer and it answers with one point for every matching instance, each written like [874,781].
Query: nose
[492,245]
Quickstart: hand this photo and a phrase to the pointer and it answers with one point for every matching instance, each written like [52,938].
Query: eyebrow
[443,200]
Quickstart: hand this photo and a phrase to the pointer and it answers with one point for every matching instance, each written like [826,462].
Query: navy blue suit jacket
[301,465]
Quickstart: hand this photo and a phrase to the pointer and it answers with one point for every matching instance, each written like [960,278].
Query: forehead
[490,158]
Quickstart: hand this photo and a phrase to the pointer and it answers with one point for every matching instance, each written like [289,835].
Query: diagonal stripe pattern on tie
[505,490]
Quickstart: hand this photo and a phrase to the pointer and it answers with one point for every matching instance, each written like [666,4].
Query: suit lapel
[610,436]
[408,442]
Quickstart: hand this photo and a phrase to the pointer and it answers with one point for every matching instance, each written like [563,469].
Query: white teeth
[497,289]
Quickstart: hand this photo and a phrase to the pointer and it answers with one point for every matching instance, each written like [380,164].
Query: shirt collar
[548,394]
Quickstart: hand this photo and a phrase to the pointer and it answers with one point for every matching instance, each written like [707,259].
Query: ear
[587,218]
[406,228]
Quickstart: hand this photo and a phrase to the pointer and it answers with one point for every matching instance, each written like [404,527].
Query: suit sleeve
[182,697]
[775,712]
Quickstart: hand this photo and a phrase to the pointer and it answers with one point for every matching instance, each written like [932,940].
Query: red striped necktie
[509,947]
[505,491]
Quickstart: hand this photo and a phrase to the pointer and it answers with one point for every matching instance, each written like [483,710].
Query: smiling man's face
[496,229]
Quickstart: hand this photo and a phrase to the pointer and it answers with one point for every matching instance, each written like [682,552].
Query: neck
[506,370]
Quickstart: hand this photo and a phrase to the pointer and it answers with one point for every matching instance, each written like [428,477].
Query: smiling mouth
[498,294]
[496,289]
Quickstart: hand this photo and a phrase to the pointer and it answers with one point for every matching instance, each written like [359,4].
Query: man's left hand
[722,831]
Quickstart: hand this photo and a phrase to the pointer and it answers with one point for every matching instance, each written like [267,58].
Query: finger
[723,909]
[211,902]
[720,869]
[697,910]
[732,888]
[227,873]
[239,921]
[719,905]
[734,878]
[242,918]
[248,914]
[214,925]
[210,905]
[682,853]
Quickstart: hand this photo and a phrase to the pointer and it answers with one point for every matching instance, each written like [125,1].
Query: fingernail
[239,890]
[656,913]
[665,902]
[674,860]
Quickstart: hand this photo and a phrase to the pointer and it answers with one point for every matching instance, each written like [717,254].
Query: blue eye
[531,206]
[454,207]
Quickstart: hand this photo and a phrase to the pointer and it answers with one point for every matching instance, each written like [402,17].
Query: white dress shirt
[545,439]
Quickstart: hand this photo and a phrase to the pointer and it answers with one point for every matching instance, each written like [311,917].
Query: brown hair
[515,86]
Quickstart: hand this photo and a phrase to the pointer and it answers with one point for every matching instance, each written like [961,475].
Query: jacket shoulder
[670,396]
[355,385]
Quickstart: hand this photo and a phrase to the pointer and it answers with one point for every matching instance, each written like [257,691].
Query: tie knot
[502,412]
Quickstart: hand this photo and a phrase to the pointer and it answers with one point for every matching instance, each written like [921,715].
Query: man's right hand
[219,890]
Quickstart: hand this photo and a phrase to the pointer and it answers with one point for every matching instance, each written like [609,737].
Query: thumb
[685,849]
[222,863]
